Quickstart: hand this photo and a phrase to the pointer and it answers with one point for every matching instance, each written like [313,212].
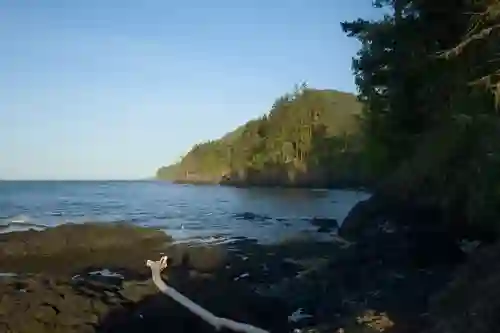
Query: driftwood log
[158,266]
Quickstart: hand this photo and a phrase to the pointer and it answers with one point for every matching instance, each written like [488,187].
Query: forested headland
[309,137]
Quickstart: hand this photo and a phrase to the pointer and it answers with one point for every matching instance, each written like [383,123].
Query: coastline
[372,280]
[346,185]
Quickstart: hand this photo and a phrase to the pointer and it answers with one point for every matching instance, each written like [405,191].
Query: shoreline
[333,283]
[386,271]
[348,186]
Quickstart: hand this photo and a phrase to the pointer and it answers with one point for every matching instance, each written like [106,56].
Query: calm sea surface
[187,212]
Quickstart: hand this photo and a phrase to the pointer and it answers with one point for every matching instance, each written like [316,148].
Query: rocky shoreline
[92,278]
[337,184]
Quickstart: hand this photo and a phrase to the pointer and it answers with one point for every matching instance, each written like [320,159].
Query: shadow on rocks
[219,295]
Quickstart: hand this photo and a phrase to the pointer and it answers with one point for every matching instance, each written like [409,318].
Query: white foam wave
[15,219]
[19,223]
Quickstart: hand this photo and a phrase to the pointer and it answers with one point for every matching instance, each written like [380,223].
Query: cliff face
[308,138]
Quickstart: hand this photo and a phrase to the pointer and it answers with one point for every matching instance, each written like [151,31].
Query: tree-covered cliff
[308,138]
[428,75]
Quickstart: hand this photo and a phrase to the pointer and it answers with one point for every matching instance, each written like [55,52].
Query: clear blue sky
[113,89]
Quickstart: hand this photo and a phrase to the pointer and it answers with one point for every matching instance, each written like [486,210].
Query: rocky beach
[378,272]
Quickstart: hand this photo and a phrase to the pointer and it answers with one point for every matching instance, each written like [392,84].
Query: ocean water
[186,212]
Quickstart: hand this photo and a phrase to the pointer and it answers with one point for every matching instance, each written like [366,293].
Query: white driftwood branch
[217,322]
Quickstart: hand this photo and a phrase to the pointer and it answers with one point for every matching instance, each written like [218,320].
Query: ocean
[186,212]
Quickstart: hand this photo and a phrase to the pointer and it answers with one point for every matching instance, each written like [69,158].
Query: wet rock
[64,305]
[82,284]
[200,257]
[67,249]
[44,306]
[218,294]
[135,291]
[91,236]
[325,224]
[249,216]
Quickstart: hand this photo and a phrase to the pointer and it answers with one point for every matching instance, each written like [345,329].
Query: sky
[94,89]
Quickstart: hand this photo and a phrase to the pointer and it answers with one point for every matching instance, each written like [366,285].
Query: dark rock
[325,224]
[91,236]
[203,258]
[251,217]
[362,214]
[57,305]
[391,269]
[53,300]
[471,301]
[68,249]
[324,229]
